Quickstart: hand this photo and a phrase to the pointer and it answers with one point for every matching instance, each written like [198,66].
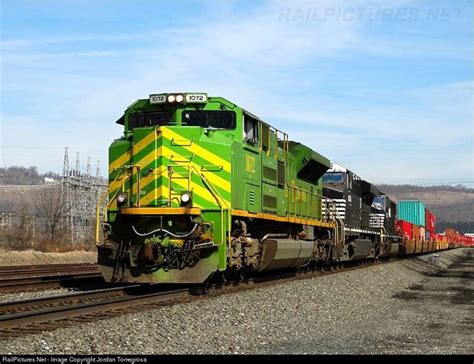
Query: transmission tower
[78,165]
[66,162]
[88,172]
[81,193]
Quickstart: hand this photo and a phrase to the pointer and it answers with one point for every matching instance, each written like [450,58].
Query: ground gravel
[32,257]
[15,296]
[407,306]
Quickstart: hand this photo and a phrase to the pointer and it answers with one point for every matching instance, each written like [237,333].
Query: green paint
[264,178]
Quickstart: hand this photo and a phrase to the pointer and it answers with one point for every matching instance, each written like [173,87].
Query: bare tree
[49,204]
[25,222]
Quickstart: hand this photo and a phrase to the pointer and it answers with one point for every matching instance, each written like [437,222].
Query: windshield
[379,202]
[333,178]
[145,119]
[210,119]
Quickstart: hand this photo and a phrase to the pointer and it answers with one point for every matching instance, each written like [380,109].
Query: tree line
[38,220]
[17,175]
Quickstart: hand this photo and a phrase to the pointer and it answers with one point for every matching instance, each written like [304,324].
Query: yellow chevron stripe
[213,177]
[120,161]
[159,192]
[198,190]
[113,186]
[144,142]
[154,195]
[167,153]
[196,149]
[163,190]
[145,161]
[206,194]
[150,157]
[127,156]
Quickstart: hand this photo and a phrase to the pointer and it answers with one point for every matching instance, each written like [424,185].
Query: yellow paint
[198,150]
[114,186]
[127,156]
[160,211]
[196,188]
[215,179]
[249,163]
[163,190]
[156,193]
[143,143]
[150,157]
[295,220]
[120,161]
[167,153]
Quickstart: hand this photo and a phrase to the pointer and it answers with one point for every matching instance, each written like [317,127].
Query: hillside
[15,175]
[453,205]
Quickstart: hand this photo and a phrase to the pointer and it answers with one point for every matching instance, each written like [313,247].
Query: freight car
[199,187]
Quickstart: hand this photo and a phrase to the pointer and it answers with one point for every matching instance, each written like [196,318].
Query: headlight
[171,98]
[179,98]
[121,198]
[185,198]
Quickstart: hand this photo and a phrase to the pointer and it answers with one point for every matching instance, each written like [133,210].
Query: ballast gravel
[8,297]
[407,306]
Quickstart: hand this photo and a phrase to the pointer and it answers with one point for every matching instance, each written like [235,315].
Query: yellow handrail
[100,201]
[220,202]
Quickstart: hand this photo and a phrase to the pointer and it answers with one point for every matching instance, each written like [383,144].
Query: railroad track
[47,282]
[16,271]
[36,277]
[48,313]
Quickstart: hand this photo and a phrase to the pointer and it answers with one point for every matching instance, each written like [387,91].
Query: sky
[384,88]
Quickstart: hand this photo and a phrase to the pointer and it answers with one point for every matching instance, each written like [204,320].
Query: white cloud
[253,60]
[8,44]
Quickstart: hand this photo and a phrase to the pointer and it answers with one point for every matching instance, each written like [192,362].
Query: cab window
[250,130]
[209,119]
[146,119]
[265,137]
[333,178]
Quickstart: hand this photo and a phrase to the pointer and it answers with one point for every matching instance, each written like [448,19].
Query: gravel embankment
[33,257]
[398,307]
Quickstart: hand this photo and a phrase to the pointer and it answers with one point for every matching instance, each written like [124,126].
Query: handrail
[217,196]
[120,173]
[100,201]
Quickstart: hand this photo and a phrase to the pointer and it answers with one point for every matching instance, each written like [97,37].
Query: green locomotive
[200,186]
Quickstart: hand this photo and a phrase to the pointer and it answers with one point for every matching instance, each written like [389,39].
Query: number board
[197,98]
[157,99]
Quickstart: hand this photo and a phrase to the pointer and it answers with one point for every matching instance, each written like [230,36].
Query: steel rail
[12,323]
[41,266]
[16,271]
[12,307]
[52,281]
[114,301]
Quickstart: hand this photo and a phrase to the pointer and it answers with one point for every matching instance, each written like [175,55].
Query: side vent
[269,201]
[269,173]
[251,197]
